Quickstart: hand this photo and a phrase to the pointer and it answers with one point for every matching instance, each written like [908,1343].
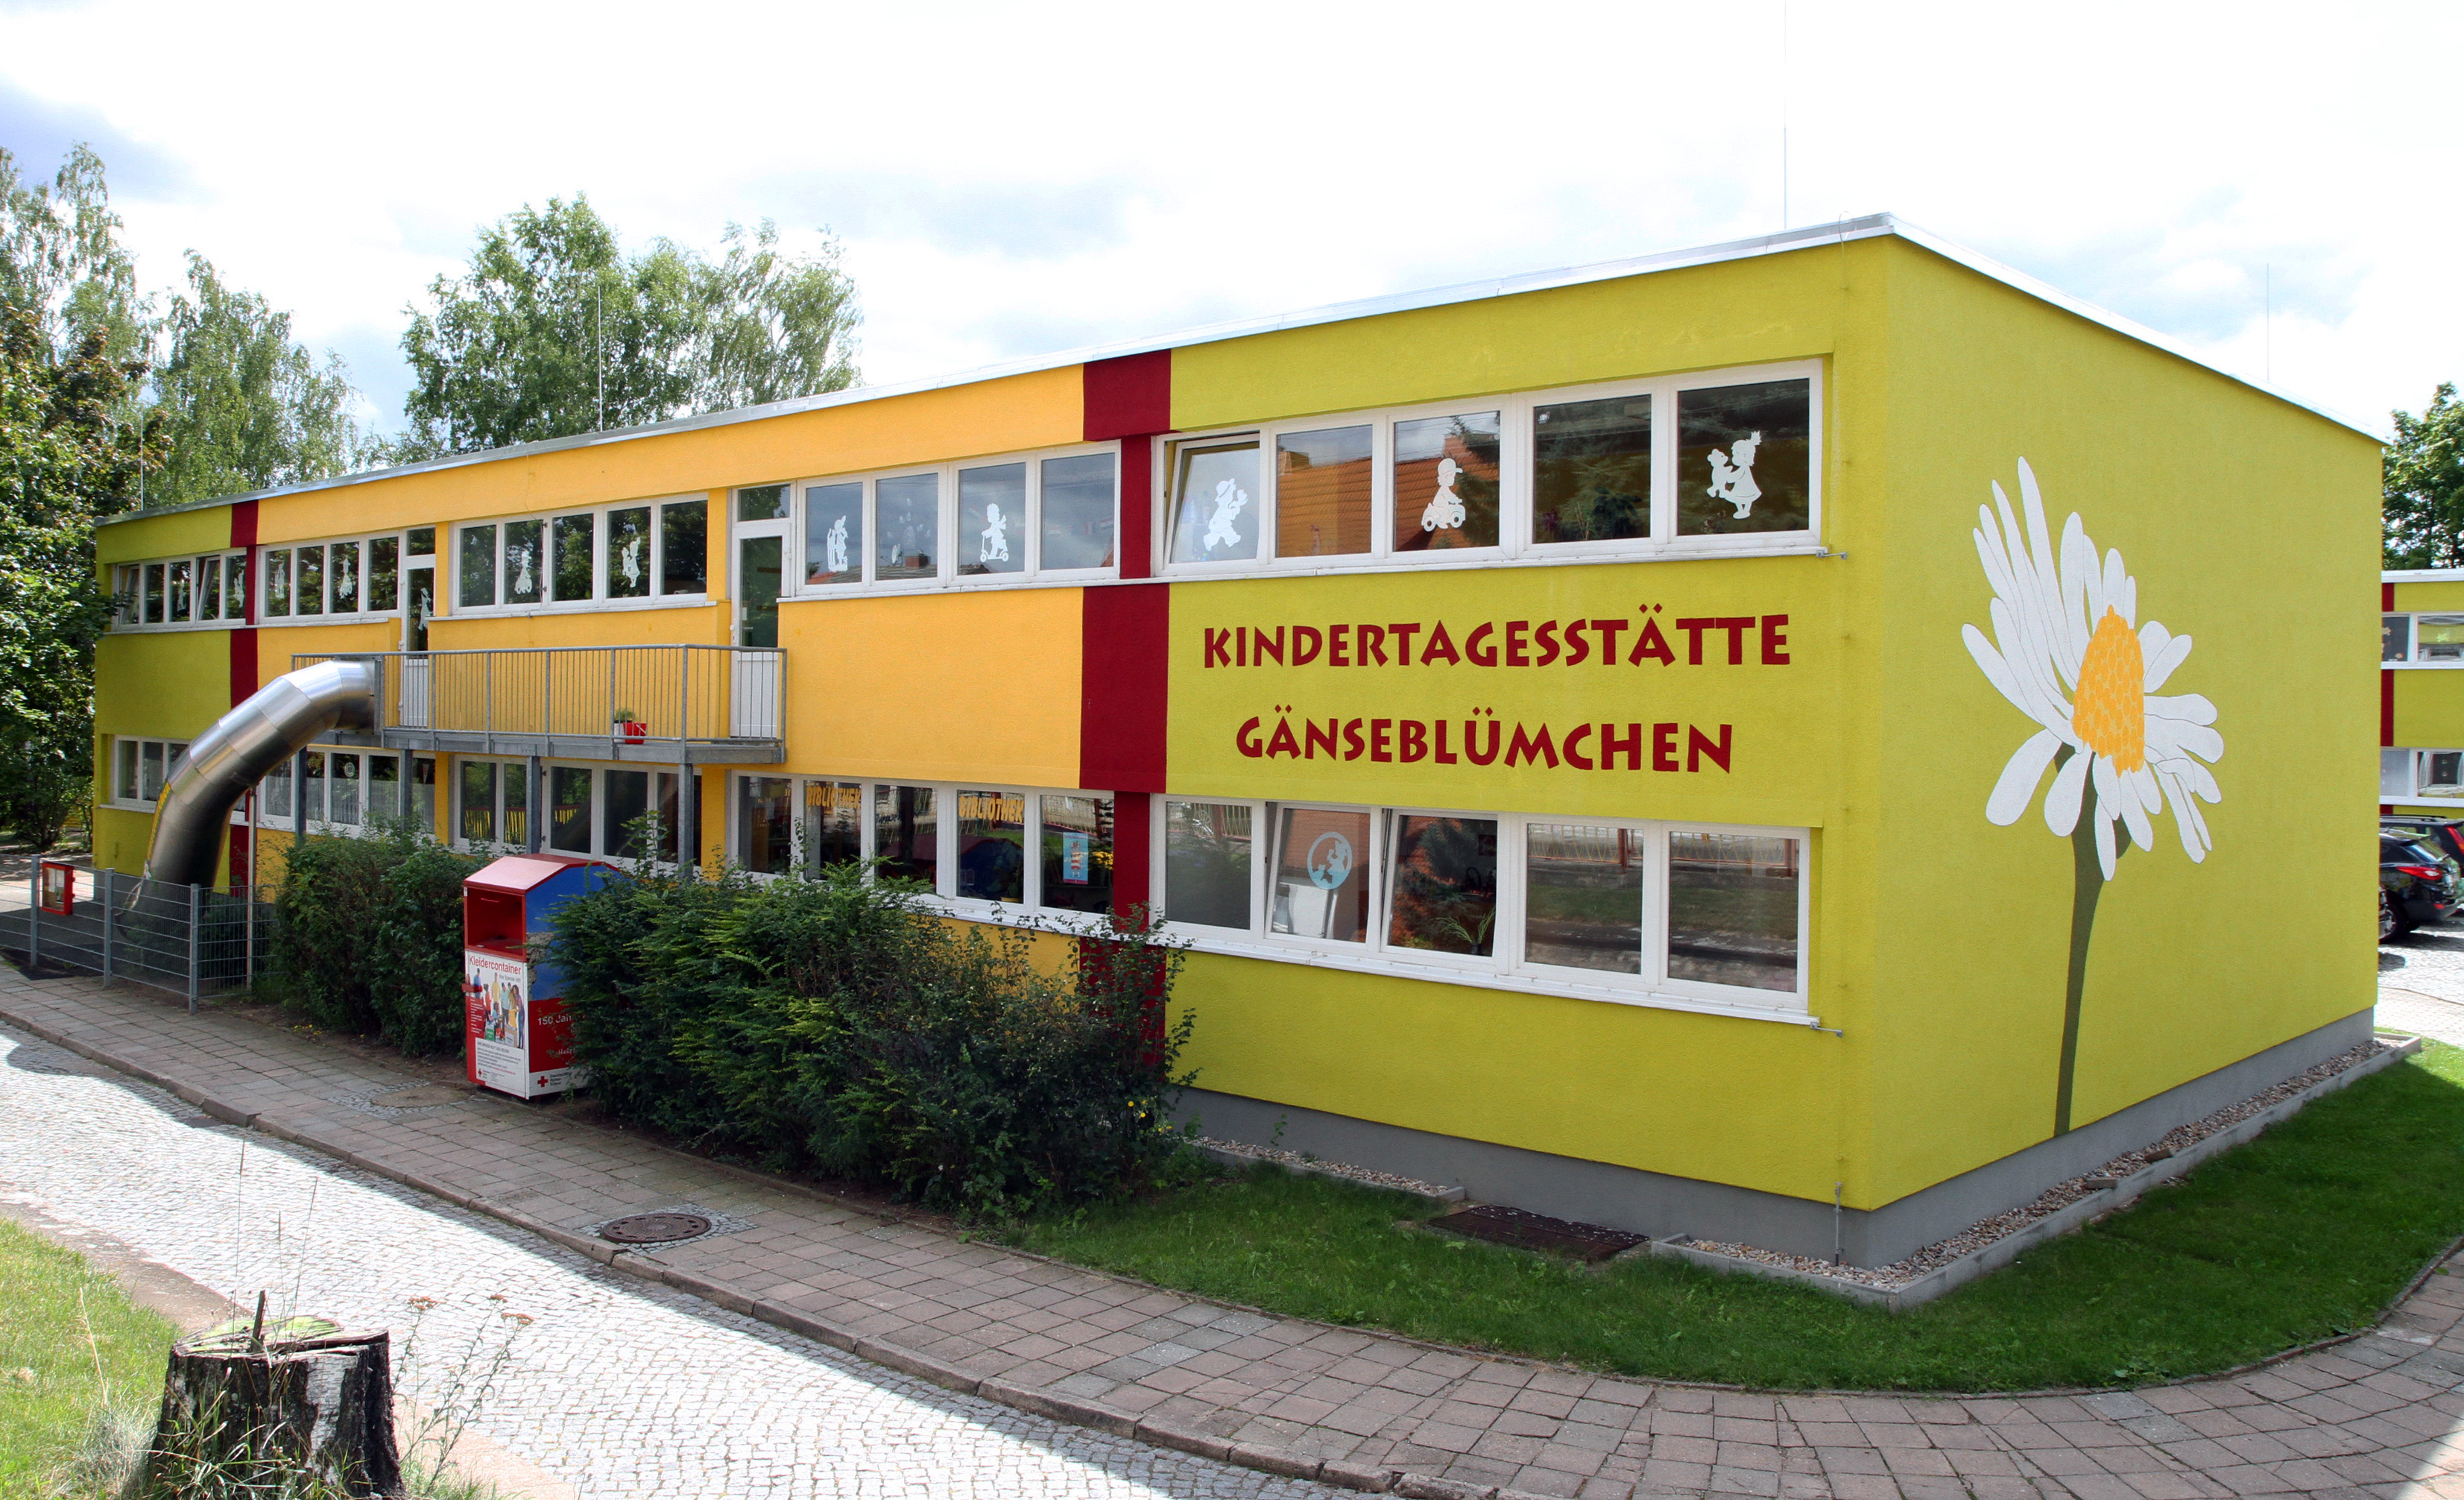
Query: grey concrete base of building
[1664,1206]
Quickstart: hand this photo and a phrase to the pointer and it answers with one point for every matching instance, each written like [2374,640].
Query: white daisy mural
[2070,653]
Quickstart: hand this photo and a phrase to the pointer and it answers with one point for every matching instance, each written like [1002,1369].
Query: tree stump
[301,1409]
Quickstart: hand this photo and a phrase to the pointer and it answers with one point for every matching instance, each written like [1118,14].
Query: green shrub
[834,1025]
[371,937]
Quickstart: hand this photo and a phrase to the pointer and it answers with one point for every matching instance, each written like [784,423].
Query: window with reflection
[904,837]
[834,533]
[277,583]
[629,813]
[1322,874]
[762,502]
[992,520]
[209,589]
[907,511]
[1743,458]
[526,562]
[478,800]
[833,824]
[312,787]
[385,789]
[310,561]
[343,570]
[991,846]
[1444,888]
[478,547]
[342,793]
[628,553]
[765,829]
[572,540]
[1322,493]
[1077,837]
[684,547]
[179,591]
[569,809]
[1215,500]
[384,574]
[1583,896]
[155,575]
[516,821]
[1732,909]
[1446,472]
[1080,500]
[1591,470]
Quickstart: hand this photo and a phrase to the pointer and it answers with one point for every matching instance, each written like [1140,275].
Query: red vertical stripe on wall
[1136,549]
[1128,397]
[243,666]
[2386,598]
[1132,851]
[1124,687]
[243,524]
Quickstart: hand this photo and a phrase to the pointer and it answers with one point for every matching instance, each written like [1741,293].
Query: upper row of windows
[1703,462]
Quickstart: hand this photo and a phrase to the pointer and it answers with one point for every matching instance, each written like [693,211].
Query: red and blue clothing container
[515,1033]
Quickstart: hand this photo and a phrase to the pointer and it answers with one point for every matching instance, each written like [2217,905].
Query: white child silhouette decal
[1229,501]
[1734,482]
[834,546]
[996,536]
[1446,510]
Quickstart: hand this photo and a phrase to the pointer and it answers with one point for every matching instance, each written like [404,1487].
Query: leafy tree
[246,408]
[64,463]
[61,259]
[554,331]
[2424,481]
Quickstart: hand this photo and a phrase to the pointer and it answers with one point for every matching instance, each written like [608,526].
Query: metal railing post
[487,701]
[614,733]
[299,799]
[194,903]
[102,889]
[684,697]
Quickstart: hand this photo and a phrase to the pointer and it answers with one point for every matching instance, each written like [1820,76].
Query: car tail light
[2429,872]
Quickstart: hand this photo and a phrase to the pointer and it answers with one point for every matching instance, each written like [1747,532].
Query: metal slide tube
[226,761]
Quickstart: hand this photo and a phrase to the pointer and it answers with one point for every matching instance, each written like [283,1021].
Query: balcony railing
[656,703]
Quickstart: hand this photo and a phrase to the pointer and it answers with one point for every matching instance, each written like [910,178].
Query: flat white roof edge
[2422,575]
[1865,227]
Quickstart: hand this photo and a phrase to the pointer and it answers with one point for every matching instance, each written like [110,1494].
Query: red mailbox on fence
[56,887]
[515,1033]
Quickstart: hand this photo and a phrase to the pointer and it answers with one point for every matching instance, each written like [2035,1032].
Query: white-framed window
[2428,639]
[351,577]
[1718,461]
[594,811]
[652,550]
[207,590]
[979,848]
[1052,514]
[348,791]
[1700,915]
[141,768]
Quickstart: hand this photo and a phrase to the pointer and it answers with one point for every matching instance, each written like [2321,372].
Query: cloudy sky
[1009,181]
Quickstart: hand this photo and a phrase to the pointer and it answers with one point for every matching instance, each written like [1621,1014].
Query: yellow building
[2421,706]
[1708,745]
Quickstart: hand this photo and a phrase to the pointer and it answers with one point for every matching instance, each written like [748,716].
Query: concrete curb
[2011,1246]
[1237,1159]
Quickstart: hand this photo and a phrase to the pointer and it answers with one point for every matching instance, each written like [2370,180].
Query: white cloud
[1013,180]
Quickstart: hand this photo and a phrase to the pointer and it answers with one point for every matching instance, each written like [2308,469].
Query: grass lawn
[43,1420]
[2303,1233]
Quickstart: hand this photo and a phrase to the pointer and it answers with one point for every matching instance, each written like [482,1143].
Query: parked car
[2446,835]
[2415,885]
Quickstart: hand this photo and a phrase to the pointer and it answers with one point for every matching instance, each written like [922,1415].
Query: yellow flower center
[2111,710]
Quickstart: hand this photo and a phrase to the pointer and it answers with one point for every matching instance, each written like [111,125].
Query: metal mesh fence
[191,940]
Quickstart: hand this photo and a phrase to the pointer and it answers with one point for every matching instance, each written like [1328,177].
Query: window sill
[1684,551]
[386,617]
[2421,665]
[577,606]
[174,628]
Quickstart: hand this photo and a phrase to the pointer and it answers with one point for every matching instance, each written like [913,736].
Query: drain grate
[1530,1231]
[654,1229]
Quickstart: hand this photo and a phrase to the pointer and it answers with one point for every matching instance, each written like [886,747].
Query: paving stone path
[1045,1380]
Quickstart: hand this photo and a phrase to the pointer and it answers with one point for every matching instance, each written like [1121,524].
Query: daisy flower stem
[2087,884]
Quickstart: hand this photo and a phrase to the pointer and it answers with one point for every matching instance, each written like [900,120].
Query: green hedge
[833,1024]
[371,937]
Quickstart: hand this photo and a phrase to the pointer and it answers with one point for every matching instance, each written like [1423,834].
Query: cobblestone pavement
[639,1390]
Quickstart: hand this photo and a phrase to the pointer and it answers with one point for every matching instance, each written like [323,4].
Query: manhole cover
[424,1096]
[653,1228]
[1501,1225]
